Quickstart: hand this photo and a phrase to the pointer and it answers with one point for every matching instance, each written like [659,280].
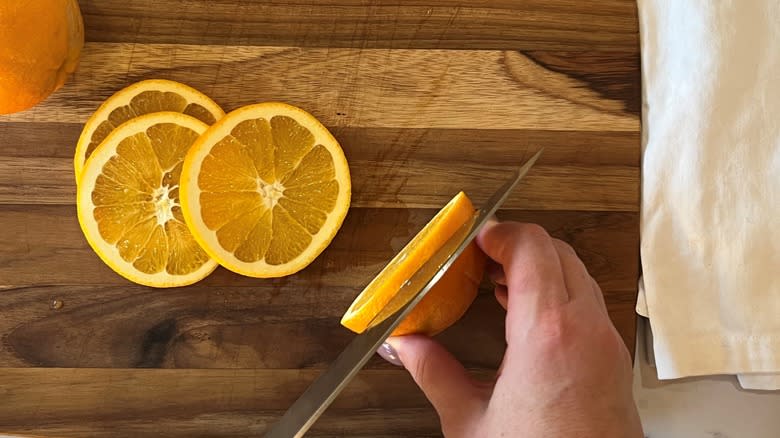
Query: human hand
[565,372]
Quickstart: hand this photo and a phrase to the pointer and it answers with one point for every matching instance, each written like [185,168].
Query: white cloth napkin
[710,221]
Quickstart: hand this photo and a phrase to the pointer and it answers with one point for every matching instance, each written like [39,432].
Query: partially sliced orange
[265,190]
[447,301]
[141,98]
[128,201]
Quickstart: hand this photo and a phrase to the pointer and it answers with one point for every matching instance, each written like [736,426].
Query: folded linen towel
[710,221]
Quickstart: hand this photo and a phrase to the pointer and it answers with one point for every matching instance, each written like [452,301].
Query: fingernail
[389,354]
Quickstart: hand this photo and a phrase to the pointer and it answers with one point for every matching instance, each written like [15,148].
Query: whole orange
[40,44]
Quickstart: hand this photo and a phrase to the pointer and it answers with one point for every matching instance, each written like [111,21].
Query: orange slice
[265,190]
[128,201]
[141,98]
[448,300]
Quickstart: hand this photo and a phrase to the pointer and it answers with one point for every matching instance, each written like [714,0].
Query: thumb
[445,382]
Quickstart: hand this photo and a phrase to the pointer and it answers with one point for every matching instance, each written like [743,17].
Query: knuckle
[535,231]
[515,234]
[420,370]
[552,327]
[564,246]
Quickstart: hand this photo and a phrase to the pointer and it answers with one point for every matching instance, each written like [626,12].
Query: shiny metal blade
[321,393]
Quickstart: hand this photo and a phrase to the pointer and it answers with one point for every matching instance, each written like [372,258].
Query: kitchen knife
[321,393]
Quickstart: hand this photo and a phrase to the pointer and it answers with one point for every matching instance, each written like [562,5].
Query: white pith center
[271,193]
[164,203]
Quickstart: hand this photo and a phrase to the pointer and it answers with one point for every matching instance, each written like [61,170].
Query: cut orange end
[447,301]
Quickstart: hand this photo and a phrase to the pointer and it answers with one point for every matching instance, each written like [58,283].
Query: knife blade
[321,393]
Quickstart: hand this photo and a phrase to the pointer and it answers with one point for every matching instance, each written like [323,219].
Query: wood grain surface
[426,98]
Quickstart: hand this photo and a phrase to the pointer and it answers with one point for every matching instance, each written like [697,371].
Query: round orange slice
[141,98]
[128,201]
[265,189]
[449,298]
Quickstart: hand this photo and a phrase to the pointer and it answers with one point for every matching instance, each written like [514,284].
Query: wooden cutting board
[426,98]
